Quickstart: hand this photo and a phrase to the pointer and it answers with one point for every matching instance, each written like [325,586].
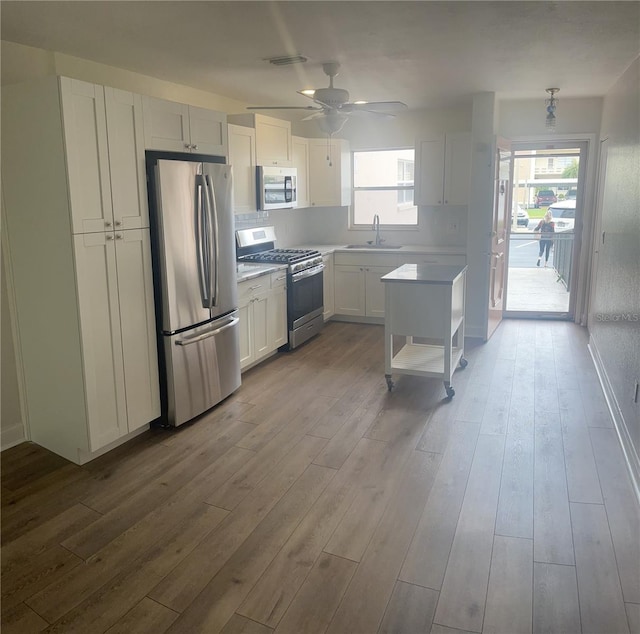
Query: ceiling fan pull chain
[329,148]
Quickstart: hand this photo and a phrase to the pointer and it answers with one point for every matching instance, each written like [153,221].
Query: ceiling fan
[333,107]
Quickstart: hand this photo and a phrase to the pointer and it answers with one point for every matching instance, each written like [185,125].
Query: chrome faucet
[376,228]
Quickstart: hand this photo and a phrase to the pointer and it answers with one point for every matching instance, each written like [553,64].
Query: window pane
[394,206]
[383,168]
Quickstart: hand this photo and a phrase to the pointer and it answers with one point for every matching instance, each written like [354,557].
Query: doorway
[541,275]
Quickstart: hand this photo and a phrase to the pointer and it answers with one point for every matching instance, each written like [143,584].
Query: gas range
[257,245]
[304,279]
[297,259]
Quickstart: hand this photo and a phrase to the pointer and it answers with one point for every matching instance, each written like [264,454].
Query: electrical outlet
[452,227]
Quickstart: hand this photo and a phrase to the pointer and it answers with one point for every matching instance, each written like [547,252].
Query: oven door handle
[296,277]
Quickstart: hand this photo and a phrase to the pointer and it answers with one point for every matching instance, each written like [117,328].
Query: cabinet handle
[254,288]
[194,147]
[446,202]
[188,146]
[118,236]
[107,224]
[118,223]
[279,279]
[109,236]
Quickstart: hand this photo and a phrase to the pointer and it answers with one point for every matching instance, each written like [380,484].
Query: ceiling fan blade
[371,113]
[315,115]
[385,107]
[283,108]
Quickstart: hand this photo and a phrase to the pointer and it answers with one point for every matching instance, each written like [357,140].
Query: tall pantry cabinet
[74,195]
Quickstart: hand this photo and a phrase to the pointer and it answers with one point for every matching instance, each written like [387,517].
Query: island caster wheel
[390,383]
[463,363]
[450,391]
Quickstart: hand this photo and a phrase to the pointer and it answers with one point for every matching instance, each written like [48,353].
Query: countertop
[408,248]
[425,274]
[249,270]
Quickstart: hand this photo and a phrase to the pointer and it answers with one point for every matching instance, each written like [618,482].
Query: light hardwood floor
[313,500]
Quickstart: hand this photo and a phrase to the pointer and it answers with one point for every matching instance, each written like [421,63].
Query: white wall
[11,417]
[616,286]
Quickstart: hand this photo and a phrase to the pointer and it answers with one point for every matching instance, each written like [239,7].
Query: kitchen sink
[373,246]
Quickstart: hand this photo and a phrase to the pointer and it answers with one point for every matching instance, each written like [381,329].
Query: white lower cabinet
[358,291]
[262,305]
[328,292]
[117,330]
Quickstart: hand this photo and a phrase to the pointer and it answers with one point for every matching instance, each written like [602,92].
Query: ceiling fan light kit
[332,107]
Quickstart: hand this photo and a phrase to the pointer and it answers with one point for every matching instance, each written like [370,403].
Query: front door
[501,206]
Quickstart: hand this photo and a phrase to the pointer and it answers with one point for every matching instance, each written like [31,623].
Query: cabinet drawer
[279,279]
[430,258]
[366,259]
[252,287]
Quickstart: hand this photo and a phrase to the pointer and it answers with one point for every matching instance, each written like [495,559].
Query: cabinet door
[430,172]
[329,173]
[301,162]
[374,290]
[85,137]
[95,257]
[208,131]
[328,286]
[349,290]
[166,125]
[273,141]
[246,332]
[278,318]
[261,338]
[242,158]
[324,179]
[457,168]
[137,322]
[125,134]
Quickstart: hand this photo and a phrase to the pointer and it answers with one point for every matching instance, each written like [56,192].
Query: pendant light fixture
[551,104]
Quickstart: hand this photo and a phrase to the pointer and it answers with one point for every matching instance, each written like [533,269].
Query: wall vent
[286,60]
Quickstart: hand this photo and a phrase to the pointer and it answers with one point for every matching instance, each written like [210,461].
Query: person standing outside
[546,227]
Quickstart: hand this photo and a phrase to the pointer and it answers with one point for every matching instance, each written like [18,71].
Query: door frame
[580,283]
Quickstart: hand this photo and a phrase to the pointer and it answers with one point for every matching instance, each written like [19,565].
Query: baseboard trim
[628,450]
[12,436]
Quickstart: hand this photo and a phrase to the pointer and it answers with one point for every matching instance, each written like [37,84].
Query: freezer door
[203,368]
[219,239]
[181,226]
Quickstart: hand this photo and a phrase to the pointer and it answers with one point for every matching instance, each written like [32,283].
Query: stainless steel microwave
[277,187]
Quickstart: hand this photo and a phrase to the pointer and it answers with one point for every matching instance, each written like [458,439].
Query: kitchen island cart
[424,304]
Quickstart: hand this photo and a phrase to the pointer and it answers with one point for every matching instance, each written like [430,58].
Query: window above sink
[383,184]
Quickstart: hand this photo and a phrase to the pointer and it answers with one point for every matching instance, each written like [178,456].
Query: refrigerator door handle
[212,210]
[206,335]
[202,266]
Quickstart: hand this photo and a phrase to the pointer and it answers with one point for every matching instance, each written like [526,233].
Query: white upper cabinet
[87,155]
[178,127]
[329,173]
[242,158]
[442,170]
[301,163]
[105,157]
[125,135]
[273,138]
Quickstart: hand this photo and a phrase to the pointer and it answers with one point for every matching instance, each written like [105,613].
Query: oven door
[304,296]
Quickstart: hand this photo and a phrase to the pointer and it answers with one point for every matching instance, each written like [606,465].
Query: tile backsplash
[446,226]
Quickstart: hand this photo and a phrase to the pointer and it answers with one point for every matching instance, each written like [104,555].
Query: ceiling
[427,54]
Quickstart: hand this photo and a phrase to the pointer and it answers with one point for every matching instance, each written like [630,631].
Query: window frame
[395,188]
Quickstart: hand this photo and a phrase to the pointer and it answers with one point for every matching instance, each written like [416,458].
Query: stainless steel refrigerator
[195,284]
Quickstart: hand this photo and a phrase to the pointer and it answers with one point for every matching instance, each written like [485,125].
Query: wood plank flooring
[313,500]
